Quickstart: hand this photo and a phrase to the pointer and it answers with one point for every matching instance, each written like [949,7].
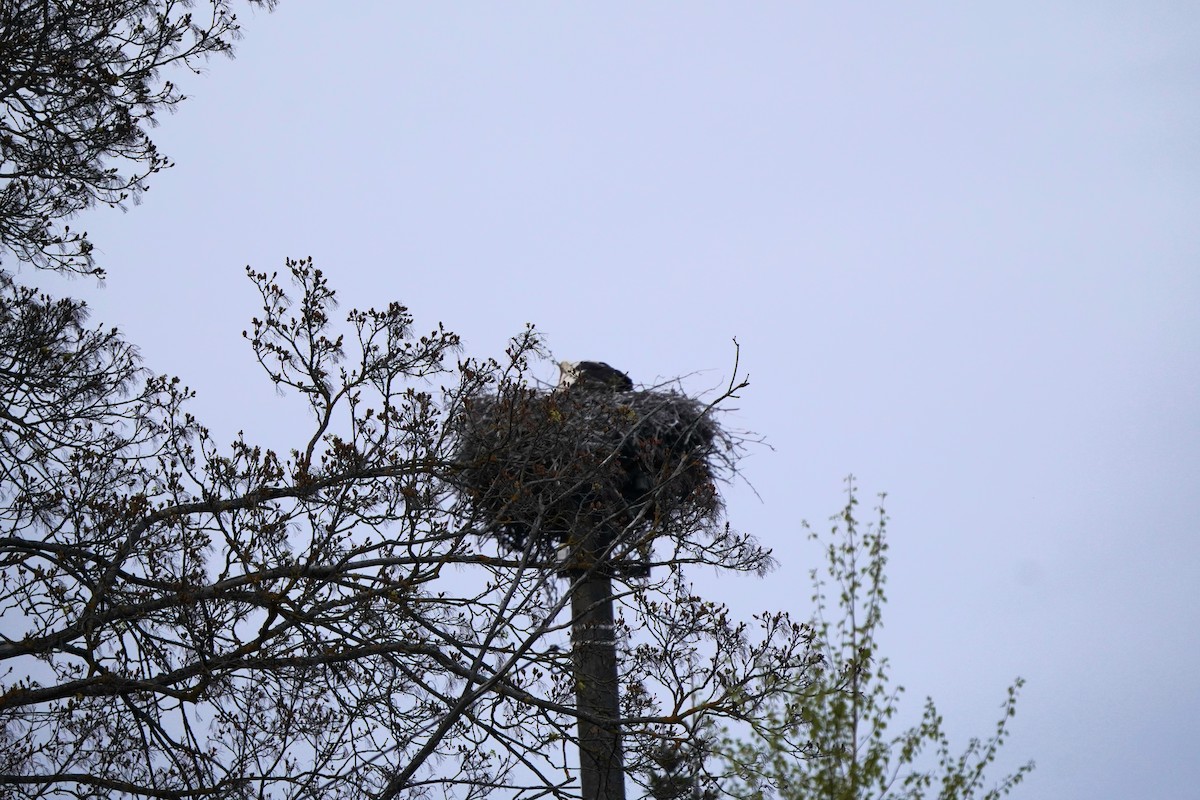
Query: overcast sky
[958,246]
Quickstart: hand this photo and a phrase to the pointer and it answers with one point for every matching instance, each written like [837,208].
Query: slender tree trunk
[601,772]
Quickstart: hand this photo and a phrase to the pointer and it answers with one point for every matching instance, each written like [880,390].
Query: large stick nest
[616,469]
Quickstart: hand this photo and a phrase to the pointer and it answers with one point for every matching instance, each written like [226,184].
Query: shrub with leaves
[830,740]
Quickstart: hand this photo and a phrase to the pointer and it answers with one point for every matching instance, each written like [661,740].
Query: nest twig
[602,471]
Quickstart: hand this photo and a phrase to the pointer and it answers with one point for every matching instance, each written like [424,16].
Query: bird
[592,375]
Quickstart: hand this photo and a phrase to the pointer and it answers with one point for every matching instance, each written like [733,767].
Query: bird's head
[568,373]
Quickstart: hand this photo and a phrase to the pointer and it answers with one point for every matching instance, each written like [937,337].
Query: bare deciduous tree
[183,619]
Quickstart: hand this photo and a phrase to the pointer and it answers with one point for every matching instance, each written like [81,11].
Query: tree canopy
[81,83]
[186,619]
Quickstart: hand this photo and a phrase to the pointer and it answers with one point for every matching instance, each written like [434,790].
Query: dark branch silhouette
[187,619]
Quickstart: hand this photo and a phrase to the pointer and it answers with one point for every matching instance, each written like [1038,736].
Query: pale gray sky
[959,246]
